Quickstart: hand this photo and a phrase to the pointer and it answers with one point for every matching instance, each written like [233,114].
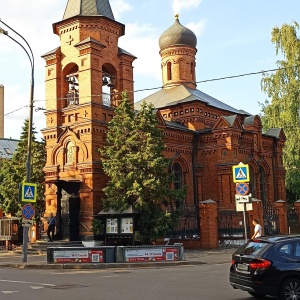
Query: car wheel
[290,289]
[256,295]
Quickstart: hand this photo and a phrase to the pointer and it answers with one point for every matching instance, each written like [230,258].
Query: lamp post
[29,145]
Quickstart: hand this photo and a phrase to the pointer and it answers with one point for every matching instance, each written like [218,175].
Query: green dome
[177,35]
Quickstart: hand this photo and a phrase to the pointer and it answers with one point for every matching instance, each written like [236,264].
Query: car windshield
[252,248]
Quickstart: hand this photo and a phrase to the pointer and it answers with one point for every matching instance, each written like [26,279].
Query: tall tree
[13,172]
[283,90]
[138,171]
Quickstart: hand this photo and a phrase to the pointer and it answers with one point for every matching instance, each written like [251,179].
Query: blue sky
[234,37]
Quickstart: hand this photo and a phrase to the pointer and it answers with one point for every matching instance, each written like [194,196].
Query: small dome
[177,35]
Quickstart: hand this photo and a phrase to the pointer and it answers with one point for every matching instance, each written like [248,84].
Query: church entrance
[68,209]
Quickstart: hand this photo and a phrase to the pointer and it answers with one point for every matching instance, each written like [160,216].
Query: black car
[268,265]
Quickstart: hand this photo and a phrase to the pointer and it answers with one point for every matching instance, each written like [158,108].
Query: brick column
[282,215]
[297,209]
[208,224]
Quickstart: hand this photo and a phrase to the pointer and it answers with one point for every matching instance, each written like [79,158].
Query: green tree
[138,171]
[13,172]
[283,90]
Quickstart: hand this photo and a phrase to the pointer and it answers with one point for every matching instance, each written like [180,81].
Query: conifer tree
[282,111]
[13,172]
[138,171]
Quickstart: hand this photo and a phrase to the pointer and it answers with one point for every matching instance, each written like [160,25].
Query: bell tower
[84,78]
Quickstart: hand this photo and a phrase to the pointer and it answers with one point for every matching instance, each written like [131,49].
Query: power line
[156,88]
[15,110]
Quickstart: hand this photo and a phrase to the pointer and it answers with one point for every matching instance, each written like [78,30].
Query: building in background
[8,147]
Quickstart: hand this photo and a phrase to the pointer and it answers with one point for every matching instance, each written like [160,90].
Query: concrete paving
[14,259]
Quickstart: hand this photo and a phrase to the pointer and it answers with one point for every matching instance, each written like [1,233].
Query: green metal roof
[181,94]
[177,34]
[88,8]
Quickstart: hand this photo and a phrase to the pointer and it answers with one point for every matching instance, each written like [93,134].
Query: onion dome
[177,35]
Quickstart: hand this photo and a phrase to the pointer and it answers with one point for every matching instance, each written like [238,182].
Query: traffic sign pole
[28,195]
[245,226]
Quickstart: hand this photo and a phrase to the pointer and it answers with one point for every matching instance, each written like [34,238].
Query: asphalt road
[206,281]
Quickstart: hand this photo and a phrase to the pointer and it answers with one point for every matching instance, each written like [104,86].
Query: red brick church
[204,137]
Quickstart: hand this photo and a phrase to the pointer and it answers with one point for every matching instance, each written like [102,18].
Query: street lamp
[29,145]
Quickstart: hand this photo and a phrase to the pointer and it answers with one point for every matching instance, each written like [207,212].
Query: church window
[169,69]
[177,176]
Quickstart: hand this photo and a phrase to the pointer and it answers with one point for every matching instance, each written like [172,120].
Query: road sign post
[241,175]
[28,194]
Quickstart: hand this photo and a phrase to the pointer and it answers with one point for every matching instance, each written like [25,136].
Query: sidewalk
[14,259]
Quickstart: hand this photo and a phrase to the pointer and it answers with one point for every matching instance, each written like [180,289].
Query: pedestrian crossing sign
[241,173]
[29,192]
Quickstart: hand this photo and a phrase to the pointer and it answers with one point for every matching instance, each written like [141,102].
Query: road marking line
[26,282]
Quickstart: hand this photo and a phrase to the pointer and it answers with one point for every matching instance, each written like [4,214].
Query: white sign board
[240,206]
[242,199]
[27,223]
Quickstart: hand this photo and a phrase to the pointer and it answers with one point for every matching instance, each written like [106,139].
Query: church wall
[179,149]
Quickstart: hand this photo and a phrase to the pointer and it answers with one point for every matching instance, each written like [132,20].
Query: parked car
[268,265]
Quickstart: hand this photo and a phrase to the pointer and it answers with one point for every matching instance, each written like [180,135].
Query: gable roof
[122,51]
[182,94]
[276,132]
[90,40]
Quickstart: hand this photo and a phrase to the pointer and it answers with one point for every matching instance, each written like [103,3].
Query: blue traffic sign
[241,173]
[29,192]
[28,211]
[242,188]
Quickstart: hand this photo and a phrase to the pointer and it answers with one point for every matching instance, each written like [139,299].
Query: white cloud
[141,41]
[119,7]
[198,28]
[184,4]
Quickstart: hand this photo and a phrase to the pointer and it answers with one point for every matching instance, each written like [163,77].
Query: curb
[99,265]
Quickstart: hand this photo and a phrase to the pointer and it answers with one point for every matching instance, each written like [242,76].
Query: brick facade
[203,138]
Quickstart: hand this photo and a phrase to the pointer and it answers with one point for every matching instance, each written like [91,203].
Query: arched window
[169,69]
[177,176]
[263,186]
